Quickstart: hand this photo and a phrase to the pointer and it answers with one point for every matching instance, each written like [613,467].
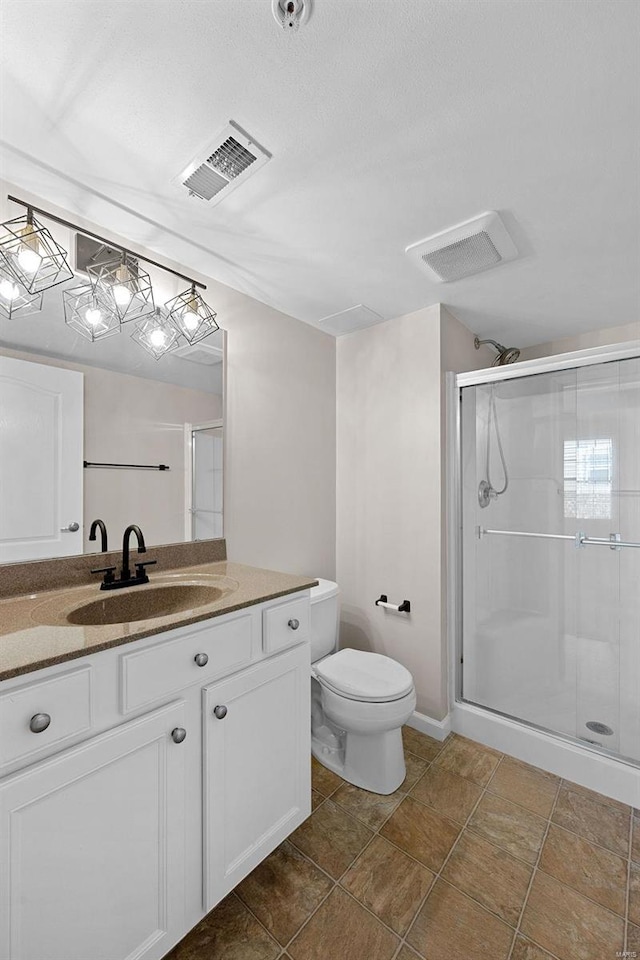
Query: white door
[41,461]
[257,767]
[92,848]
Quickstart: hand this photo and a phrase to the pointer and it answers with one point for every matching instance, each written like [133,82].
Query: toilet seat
[368,677]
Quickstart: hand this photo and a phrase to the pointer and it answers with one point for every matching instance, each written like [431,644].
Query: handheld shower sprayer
[505,354]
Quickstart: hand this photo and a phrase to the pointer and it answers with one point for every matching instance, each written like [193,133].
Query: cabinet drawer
[65,699]
[285,624]
[165,668]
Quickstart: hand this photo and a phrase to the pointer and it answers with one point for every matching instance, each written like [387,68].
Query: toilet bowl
[359,702]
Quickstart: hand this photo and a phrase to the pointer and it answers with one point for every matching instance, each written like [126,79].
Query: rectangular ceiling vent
[470,247]
[207,352]
[350,320]
[223,165]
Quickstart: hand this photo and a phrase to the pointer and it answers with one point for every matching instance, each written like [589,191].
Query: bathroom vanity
[151,765]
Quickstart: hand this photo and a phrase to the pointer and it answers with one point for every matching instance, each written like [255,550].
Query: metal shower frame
[454,385]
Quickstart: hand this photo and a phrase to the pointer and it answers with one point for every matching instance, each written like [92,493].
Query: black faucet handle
[140,571]
[108,573]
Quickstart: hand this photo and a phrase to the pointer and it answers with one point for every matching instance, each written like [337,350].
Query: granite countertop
[34,631]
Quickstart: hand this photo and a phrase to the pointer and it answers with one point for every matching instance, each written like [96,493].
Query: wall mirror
[103,430]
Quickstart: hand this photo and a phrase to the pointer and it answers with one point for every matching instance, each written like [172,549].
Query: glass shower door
[551,621]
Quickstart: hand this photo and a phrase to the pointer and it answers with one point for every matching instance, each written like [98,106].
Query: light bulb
[93,316]
[29,259]
[8,290]
[122,295]
[190,318]
[158,338]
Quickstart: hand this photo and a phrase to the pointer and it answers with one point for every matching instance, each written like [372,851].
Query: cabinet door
[92,848]
[257,767]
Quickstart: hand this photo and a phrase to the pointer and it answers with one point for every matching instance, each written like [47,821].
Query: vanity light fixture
[14,298]
[157,334]
[125,286]
[88,314]
[192,316]
[30,253]
[119,290]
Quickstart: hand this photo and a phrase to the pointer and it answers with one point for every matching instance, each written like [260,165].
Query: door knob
[220,712]
[39,722]
[294,624]
[178,734]
[72,528]
[201,659]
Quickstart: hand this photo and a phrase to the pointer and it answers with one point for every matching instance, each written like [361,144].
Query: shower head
[505,354]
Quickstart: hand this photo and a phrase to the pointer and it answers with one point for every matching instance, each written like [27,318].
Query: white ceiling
[387,121]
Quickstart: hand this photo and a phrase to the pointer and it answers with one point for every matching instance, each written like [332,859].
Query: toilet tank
[325,608]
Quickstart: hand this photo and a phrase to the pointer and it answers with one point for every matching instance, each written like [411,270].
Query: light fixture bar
[110,243]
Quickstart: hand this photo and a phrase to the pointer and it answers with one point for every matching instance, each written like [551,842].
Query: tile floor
[477,856]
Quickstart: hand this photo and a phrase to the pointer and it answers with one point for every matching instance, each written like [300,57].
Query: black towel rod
[128,466]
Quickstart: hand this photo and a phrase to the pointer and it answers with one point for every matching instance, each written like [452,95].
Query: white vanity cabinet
[141,805]
[92,847]
[256,764]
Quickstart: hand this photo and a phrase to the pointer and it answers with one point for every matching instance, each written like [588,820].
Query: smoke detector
[291,14]
[223,165]
[470,247]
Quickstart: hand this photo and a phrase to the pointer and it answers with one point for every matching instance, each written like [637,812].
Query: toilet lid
[359,675]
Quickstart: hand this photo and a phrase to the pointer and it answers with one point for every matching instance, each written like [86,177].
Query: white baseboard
[438,729]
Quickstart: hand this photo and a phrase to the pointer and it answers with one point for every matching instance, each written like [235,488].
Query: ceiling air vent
[229,160]
[470,247]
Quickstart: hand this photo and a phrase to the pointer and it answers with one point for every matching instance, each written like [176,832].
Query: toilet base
[373,763]
[361,741]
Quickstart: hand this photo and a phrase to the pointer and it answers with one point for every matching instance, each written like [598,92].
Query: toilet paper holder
[404,607]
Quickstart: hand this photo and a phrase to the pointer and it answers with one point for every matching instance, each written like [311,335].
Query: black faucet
[126,579]
[103,534]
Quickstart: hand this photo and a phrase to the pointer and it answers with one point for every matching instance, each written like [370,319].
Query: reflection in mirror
[86,428]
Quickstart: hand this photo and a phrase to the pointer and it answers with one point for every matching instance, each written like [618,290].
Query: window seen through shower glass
[588,478]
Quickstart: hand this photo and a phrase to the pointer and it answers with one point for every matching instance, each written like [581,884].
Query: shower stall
[547,563]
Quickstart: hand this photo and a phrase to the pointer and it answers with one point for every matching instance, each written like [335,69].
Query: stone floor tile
[591,870]
[510,826]
[324,781]
[420,744]
[283,891]
[331,838]
[421,832]
[372,808]
[452,925]
[567,924]
[389,883]
[447,793]
[489,875]
[526,785]
[342,928]
[598,822]
[469,759]
[229,932]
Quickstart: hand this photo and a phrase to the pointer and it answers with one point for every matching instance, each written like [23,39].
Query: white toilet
[359,702]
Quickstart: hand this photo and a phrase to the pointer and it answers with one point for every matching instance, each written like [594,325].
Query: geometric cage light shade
[88,315]
[192,316]
[124,286]
[32,256]
[14,299]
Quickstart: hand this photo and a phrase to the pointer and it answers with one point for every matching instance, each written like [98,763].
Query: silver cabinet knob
[72,528]
[178,734]
[294,624]
[220,712]
[202,659]
[39,722]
